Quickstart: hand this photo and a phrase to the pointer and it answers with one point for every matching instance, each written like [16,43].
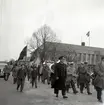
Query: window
[79,57]
[92,59]
[88,59]
[84,57]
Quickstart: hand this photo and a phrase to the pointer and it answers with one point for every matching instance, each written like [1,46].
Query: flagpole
[81,39]
[89,40]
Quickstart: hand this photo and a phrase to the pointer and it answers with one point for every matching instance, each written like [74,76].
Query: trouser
[14,80]
[6,76]
[99,93]
[34,80]
[20,83]
[63,91]
[78,82]
[28,77]
[39,77]
[72,84]
[67,87]
[52,79]
[48,80]
[83,85]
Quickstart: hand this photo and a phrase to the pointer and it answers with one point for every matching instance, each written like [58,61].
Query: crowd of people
[60,75]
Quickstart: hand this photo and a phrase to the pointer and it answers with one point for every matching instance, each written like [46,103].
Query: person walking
[99,79]
[14,73]
[45,74]
[7,72]
[84,78]
[34,74]
[60,77]
[21,74]
[71,78]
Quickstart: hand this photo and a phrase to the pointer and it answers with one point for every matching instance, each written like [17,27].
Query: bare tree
[41,37]
[31,43]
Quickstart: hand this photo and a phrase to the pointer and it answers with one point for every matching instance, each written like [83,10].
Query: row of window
[91,58]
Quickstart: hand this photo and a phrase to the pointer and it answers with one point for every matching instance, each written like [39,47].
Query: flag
[37,62]
[23,53]
[88,34]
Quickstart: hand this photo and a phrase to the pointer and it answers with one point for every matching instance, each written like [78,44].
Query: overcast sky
[70,19]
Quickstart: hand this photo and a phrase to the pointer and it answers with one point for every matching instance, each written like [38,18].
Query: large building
[78,53]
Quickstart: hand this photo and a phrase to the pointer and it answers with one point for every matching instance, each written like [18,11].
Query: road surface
[43,95]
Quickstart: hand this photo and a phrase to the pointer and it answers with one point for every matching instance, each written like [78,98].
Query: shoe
[89,93]
[99,100]
[35,86]
[75,92]
[65,97]
[81,92]
[21,91]
[48,83]
[17,88]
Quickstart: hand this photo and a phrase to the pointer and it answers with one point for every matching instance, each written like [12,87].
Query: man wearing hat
[71,77]
[60,77]
[99,79]
[84,78]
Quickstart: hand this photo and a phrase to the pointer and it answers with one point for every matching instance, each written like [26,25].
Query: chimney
[83,44]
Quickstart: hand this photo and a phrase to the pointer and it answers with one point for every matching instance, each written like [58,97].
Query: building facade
[77,53]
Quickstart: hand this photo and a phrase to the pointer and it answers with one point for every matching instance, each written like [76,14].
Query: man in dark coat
[60,76]
[34,74]
[99,79]
[21,74]
[84,78]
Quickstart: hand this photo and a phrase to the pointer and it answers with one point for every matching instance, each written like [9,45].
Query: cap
[61,57]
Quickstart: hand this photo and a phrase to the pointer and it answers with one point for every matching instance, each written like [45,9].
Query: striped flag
[88,34]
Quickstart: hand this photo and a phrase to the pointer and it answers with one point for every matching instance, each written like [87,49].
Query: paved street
[43,95]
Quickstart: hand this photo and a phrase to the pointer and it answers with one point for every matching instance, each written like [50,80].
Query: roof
[77,48]
[70,47]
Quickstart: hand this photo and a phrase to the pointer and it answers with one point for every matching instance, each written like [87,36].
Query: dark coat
[34,73]
[83,76]
[21,74]
[60,72]
[99,78]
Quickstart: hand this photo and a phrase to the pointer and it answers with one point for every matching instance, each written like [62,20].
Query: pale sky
[70,19]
